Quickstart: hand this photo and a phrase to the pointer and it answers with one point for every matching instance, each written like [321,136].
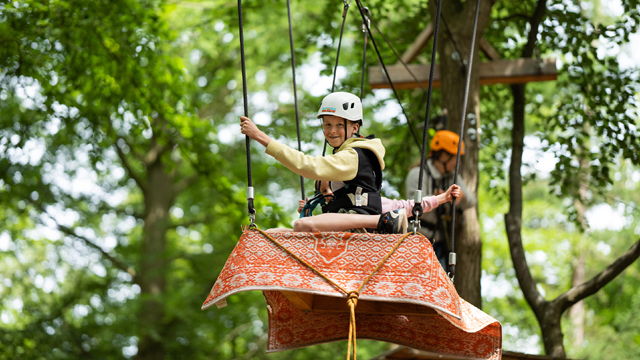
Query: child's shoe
[393,222]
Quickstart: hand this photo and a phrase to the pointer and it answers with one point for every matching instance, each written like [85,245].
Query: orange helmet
[446,140]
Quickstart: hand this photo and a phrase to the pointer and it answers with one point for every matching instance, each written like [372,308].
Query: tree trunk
[552,332]
[577,311]
[459,17]
[158,200]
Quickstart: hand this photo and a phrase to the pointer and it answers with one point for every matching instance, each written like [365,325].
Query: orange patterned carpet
[411,275]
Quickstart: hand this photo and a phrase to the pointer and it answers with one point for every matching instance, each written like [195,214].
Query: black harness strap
[251,208]
[295,89]
[452,255]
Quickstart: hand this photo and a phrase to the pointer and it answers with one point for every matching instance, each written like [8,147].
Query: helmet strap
[345,129]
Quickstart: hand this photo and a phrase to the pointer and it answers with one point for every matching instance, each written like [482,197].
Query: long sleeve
[428,204]
[342,166]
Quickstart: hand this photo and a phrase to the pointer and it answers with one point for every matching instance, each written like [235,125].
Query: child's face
[334,130]
[325,189]
[446,163]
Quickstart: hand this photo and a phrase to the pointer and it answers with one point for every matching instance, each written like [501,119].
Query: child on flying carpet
[355,167]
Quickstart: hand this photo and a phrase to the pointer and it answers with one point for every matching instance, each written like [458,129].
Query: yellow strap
[352,296]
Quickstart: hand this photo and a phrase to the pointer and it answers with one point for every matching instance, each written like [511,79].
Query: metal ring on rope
[452,254]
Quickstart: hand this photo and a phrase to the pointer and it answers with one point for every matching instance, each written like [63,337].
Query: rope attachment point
[251,208]
[417,211]
[452,266]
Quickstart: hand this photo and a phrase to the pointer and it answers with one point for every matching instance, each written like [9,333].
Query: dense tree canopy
[123,173]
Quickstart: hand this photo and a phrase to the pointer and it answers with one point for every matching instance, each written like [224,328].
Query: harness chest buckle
[359,196]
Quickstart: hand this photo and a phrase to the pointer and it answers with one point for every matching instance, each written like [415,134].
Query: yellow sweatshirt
[340,166]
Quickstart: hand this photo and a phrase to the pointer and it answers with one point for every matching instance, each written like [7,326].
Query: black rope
[398,56]
[463,68]
[364,59]
[295,89]
[395,93]
[417,207]
[344,19]
[464,110]
[335,68]
[252,210]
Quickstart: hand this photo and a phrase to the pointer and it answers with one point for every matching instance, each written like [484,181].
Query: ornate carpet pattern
[411,275]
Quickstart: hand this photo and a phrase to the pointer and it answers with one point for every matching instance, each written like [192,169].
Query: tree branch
[190,222]
[513,220]
[590,287]
[127,165]
[185,183]
[514,16]
[535,20]
[119,264]
[153,154]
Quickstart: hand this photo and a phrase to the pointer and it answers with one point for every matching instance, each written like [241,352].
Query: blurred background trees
[123,173]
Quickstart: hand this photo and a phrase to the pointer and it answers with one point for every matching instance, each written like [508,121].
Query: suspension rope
[398,56]
[452,254]
[295,90]
[344,19]
[364,52]
[417,208]
[352,296]
[250,196]
[463,68]
[335,68]
[384,67]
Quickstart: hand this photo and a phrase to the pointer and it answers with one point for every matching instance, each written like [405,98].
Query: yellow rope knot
[352,302]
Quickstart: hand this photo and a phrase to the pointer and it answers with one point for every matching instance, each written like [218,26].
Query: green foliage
[93,93]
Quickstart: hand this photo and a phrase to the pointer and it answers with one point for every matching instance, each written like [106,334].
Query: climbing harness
[311,204]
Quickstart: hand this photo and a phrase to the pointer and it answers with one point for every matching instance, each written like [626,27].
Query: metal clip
[252,221]
[416,224]
[346,7]
[367,15]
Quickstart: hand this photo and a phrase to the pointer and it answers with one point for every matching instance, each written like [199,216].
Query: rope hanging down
[295,90]
[364,51]
[452,254]
[352,296]
[417,208]
[384,67]
[250,196]
[335,68]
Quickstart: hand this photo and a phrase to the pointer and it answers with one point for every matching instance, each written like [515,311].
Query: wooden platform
[515,71]
[332,304]
[405,353]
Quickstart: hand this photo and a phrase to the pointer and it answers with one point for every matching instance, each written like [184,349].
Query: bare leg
[274,230]
[335,222]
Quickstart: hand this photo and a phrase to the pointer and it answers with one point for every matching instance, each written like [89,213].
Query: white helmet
[342,104]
